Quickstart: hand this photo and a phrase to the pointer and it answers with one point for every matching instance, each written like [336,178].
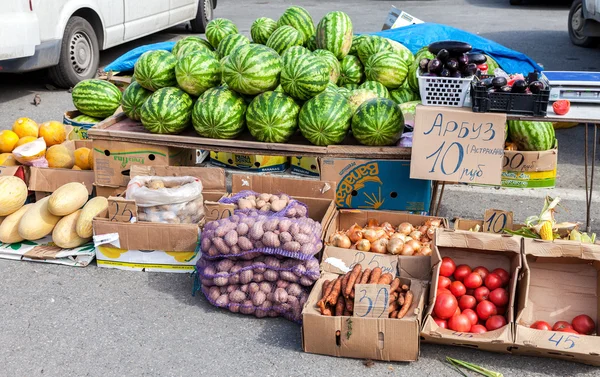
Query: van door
[182,10]
[143,17]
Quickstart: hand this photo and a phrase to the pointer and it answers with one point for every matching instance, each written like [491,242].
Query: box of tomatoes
[558,306]
[473,290]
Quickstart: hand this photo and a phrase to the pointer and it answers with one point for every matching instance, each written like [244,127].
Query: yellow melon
[9,228]
[26,127]
[91,159]
[27,153]
[37,222]
[96,207]
[8,141]
[60,157]
[65,235]
[68,198]
[25,140]
[13,194]
[7,159]
[53,133]
[82,158]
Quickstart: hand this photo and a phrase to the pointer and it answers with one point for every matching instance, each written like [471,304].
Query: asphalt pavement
[65,321]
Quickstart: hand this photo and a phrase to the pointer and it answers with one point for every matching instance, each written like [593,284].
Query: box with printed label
[257,163]
[45,251]
[305,166]
[530,169]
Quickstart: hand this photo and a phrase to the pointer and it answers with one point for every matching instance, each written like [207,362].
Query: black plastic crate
[510,103]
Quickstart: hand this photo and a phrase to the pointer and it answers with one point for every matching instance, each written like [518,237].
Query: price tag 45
[563,341]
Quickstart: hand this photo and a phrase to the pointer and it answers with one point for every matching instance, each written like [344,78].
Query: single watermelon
[334,33]
[378,122]
[332,63]
[372,45]
[403,51]
[218,28]
[219,113]
[386,67]
[531,136]
[272,117]
[376,87]
[350,86]
[351,70]
[413,81]
[167,111]
[261,29]
[133,98]
[283,38]
[86,119]
[311,43]
[197,72]
[325,119]
[299,19]
[331,87]
[304,77]
[293,53]
[96,98]
[402,95]
[190,44]
[356,39]
[344,91]
[252,69]
[155,69]
[359,96]
[231,42]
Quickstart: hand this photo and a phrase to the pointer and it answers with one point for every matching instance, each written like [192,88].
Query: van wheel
[79,54]
[203,16]
[576,22]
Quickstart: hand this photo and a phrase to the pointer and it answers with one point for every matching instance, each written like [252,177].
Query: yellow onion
[425,250]
[416,235]
[395,245]
[373,234]
[407,250]
[340,239]
[423,229]
[405,228]
[379,246]
[414,244]
[434,223]
[388,228]
[400,236]
[355,233]
[431,232]
[363,245]
[372,223]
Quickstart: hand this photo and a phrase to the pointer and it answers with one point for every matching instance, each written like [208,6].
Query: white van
[67,35]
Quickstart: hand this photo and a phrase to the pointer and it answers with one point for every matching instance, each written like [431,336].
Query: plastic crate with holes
[444,91]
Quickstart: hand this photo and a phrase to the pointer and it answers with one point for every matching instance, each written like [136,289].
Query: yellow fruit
[8,141]
[67,199]
[25,140]
[82,158]
[64,234]
[96,207]
[60,157]
[9,229]
[111,252]
[53,133]
[13,194]
[27,153]
[37,222]
[546,231]
[7,159]
[91,160]
[25,127]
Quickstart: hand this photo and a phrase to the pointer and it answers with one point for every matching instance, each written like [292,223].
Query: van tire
[79,54]
[203,16]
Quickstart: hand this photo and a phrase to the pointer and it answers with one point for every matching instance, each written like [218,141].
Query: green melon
[372,45]
[334,33]
[293,52]
[155,69]
[272,117]
[219,113]
[231,42]
[403,51]
[167,111]
[133,98]
[350,86]
[96,98]
[356,39]
[218,28]
[252,69]
[359,96]
[402,95]
[386,67]
[344,91]
[351,71]
[304,77]
[283,38]
[186,45]
[311,43]
[376,87]
[325,119]
[378,122]
[413,81]
[531,136]
[197,72]
[332,63]
[299,19]
[86,119]
[331,87]
[261,29]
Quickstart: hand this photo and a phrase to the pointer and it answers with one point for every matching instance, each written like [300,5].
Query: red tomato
[504,276]
[460,323]
[486,309]
[456,312]
[467,302]
[561,107]
[493,281]
[473,280]
[478,329]
[495,322]
[447,268]
[444,282]
[499,297]
[461,272]
[569,329]
[561,325]
[481,294]
[445,305]
[541,325]
[583,324]
[457,288]
[481,271]
[443,290]
[472,316]
[441,322]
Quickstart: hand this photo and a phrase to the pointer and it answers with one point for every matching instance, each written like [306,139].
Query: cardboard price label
[216,211]
[122,210]
[563,341]
[373,260]
[456,145]
[371,300]
[495,220]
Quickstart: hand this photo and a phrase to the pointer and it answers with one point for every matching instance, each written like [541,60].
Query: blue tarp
[416,36]
[126,61]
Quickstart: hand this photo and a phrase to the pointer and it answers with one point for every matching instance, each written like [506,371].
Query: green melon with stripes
[402,95]
[325,119]
[356,39]
[133,98]
[350,86]
[252,69]
[388,68]
[311,43]
[344,91]
[351,70]
[413,81]
[331,88]
[283,38]
[378,122]
[403,51]
[359,96]
[231,42]
[86,119]
[219,113]
[334,33]
[332,63]
[376,87]
[298,18]
[197,72]
[167,111]
[155,69]
[294,52]
[372,45]
[272,117]
[188,48]
[531,136]
[261,29]
[96,98]
[218,28]
[186,45]
[304,77]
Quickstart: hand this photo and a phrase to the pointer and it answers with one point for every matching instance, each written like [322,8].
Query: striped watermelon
[311,43]
[402,95]
[413,81]
[197,72]
[252,69]
[325,119]
[376,87]
[299,19]
[218,28]
[350,86]
[293,53]
[334,33]
[283,38]
[155,69]
[167,111]
[356,39]
[531,136]
[133,98]
[344,91]
[378,122]
[186,45]
[304,77]
[359,96]
[332,88]
[219,113]
[388,68]
[261,29]
[188,48]
[231,42]
[331,62]
[272,117]
[96,98]
[403,51]
[372,45]
[351,71]
[86,119]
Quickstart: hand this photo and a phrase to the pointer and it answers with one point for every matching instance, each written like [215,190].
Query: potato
[280,295]
[278,205]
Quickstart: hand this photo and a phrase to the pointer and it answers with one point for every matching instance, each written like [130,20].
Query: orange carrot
[407,303]
[352,280]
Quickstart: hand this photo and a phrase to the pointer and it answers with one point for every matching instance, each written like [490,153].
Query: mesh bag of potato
[171,200]
[281,205]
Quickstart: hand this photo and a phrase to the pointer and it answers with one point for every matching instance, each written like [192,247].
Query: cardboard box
[305,166]
[361,337]
[465,224]
[560,281]
[397,18]
[80,129]
[257,162]
[107,192]
[113,159]
[45,251]
[376,184]
[475,249]
[530,169]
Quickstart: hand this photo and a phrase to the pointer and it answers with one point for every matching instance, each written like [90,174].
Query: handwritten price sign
[494,220]
[457,145]
[121,210]
[371,300]
[387,263]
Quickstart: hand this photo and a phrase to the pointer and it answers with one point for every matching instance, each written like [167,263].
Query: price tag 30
[495,220]
[371,300]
